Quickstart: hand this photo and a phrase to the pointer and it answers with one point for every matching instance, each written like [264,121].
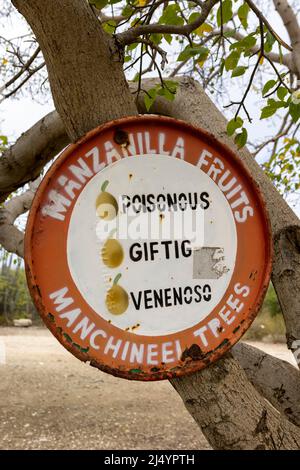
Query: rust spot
[130,175]
[51,317]
[194,352]
[253,275]
[121,137]
[134,327]
[38,290]
[220,329]
[224,342]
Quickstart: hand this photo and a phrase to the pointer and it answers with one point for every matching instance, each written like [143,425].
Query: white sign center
[174,246]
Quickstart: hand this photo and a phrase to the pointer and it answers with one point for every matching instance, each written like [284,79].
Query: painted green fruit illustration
[106,204]
[112,253]
[117,298]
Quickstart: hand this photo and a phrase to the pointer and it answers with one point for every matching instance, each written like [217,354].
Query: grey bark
[290,21]
[275,379]
[218,398]
[11,238]
[24,160]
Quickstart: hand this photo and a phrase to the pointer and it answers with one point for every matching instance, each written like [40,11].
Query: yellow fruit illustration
[117,298]
[106,204]
[112,253]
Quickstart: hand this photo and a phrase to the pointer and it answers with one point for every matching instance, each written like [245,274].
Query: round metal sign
[148,248]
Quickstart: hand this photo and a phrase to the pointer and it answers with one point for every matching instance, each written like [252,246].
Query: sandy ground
[50,400]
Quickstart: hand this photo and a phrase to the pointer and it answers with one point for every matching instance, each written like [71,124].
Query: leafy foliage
[225,38]
[15,301]
[271,302]
[228,48]
[3,143]
[283,166]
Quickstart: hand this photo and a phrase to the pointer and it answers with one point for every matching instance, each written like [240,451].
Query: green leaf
[110,26]
[248,42]
[193,17]
[243,12]
[156,38]
[227,13]
[277,104]
[295,111]
[168,38]
[282,92]
[99,3]
[171,15]
[268,86]
[190,52]
[233,125]
[270,40]
[241,138]
[4,139]
[232,60]
[172,85]
[132,46]
[127,11]
[237,71]
[267,112]
[149,98]
[168,90]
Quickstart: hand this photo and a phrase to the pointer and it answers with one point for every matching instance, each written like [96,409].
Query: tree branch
[286,59]
[24,160]
[11,238]
[25,79]
[290,21]
[275,379]
[231,413]
[130,36]
[21,71]
[264,20]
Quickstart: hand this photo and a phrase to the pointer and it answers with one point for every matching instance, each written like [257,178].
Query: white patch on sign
[167,290]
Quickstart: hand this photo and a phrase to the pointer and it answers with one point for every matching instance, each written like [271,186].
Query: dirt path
[50,400]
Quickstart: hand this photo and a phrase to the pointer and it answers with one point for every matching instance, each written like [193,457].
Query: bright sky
[17,115]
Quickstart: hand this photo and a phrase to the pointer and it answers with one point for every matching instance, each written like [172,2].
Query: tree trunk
[218,398]
[89,87]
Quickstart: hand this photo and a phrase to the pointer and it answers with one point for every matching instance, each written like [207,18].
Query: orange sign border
[192,361]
